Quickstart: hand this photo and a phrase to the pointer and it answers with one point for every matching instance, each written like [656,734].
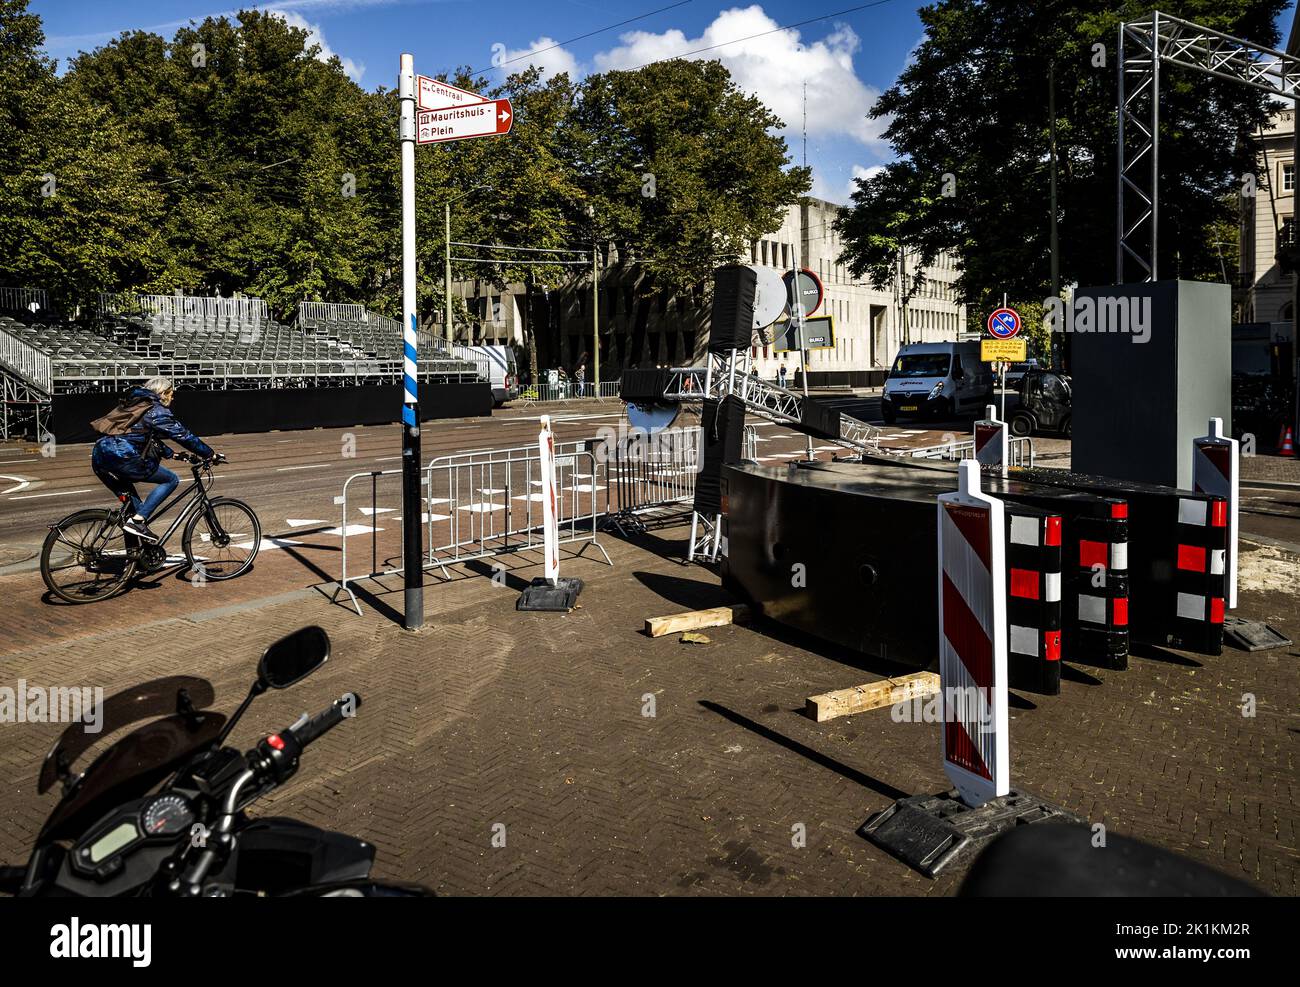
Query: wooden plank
[873,695]
[694,620]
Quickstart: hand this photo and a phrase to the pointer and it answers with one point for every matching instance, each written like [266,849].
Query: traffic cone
[1287,448]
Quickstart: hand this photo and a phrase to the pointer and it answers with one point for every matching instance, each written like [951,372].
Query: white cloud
[552,61]
[773,67]
[863,173]
[353,69]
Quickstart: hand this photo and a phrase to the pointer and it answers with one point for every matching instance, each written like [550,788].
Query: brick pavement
[535,721]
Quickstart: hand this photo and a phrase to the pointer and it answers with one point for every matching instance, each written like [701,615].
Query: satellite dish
[651,417]
[770,298]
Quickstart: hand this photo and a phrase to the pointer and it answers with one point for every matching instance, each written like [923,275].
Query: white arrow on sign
[454,123]
[433,94]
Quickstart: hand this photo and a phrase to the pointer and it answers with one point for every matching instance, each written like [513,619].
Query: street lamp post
[446,253]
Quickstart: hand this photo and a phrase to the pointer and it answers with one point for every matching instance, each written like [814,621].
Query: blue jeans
[166,481]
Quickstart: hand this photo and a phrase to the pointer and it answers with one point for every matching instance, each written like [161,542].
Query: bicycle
[88,556]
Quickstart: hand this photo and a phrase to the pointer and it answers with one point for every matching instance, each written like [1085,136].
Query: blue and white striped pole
[412,546]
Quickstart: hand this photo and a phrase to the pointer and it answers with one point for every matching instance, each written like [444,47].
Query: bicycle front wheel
[86,557]
[222,541]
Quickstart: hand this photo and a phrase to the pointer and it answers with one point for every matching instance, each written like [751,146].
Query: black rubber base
[1252,635]
[929,832]
[541,595]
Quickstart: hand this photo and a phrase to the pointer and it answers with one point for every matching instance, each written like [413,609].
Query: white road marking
[269,543]
[483,508]
[298,522]
[424,518]
[22,484]
[371,511]
[387,459]
[61,493]
[351,529]
[313,466]
[12,462]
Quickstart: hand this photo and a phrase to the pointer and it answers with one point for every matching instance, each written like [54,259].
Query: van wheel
[888,414]
[1022,425]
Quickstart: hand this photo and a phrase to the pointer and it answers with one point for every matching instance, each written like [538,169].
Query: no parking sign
[1004,323]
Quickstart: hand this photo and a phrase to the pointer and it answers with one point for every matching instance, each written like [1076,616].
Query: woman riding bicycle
[123,460]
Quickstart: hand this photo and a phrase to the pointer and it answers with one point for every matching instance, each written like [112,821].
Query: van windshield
[922,365]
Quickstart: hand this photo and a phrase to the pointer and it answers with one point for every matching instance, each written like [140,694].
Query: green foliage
[973,104]
[231,158]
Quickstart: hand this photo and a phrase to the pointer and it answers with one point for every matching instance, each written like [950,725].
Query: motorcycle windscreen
[129,769]
[158,697]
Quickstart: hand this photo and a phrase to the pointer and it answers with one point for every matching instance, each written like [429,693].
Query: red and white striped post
[991,440]
[550,514]
[973,639]
[1215,471]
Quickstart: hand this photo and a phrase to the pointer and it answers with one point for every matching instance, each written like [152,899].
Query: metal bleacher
[201,342]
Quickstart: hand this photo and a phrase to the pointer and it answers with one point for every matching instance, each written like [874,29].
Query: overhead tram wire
[544,262]
[582,37]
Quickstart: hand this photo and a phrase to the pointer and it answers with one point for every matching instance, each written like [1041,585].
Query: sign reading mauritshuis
[490,118]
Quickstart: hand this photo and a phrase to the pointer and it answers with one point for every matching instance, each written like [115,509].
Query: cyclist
[122,460]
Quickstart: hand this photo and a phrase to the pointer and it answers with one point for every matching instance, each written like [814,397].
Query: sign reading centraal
[433,94]
[454,123]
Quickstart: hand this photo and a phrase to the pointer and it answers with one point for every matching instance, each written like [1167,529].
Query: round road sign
[811,291]
[1004,323]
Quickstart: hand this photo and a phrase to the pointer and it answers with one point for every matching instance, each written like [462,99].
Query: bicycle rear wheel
[222,541]
[87,557]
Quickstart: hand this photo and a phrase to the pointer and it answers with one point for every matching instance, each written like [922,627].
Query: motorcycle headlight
[936,390]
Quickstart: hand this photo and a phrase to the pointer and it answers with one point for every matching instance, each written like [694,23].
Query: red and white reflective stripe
[1119,556]
[973,639]
[1215,470]
[991,440]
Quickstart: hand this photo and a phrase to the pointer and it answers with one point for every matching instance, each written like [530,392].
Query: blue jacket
[135,456]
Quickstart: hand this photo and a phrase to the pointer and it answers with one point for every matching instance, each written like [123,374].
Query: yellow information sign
[1002,350]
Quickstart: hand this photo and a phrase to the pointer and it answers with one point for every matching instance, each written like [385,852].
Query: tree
[969,117]
[683,170]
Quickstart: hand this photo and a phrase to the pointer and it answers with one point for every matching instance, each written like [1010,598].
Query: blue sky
[845,60]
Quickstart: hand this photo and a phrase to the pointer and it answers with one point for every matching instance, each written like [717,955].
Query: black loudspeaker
[731,324]
[723,429]
[644,385]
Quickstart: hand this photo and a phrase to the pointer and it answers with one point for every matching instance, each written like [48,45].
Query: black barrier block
[267,409]
[930,832]
[542,596]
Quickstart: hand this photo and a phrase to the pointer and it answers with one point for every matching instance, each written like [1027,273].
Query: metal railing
[1020,451]
[569,391]
[651,477]
[21,299]
[221,372]
[332,312]
[26,360]
[475,505]
[182,307]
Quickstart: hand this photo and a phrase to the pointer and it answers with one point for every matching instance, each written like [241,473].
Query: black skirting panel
[227,412]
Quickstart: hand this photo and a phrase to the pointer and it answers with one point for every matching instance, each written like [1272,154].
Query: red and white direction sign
[434,94]
[454,123]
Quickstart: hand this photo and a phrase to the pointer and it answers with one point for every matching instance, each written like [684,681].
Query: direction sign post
[1003,324]
[433,94]
[490,118]
[413,579]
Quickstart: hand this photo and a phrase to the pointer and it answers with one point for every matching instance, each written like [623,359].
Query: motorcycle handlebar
[327,719]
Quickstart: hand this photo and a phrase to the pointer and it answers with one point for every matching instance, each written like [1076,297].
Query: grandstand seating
[221,343]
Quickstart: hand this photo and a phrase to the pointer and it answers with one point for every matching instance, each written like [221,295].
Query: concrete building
[869,324]
[1264,292]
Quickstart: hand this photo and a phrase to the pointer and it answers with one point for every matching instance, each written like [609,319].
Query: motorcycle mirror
[294,657]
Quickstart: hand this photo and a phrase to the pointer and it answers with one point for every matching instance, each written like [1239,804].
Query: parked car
[1018,370]
[1044,405]
[936,380]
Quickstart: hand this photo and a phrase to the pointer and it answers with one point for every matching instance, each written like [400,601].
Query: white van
[501,370]
[936,380]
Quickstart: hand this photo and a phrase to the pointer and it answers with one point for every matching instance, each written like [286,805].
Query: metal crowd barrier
[1020,451]
[475,505]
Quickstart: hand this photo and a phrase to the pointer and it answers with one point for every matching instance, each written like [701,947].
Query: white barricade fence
[651,474]
[1020,451]
[475,505]
[991,440]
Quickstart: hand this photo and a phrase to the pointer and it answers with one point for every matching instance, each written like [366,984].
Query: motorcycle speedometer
[166,815]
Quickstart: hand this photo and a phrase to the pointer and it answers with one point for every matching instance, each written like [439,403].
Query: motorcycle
[162,812]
